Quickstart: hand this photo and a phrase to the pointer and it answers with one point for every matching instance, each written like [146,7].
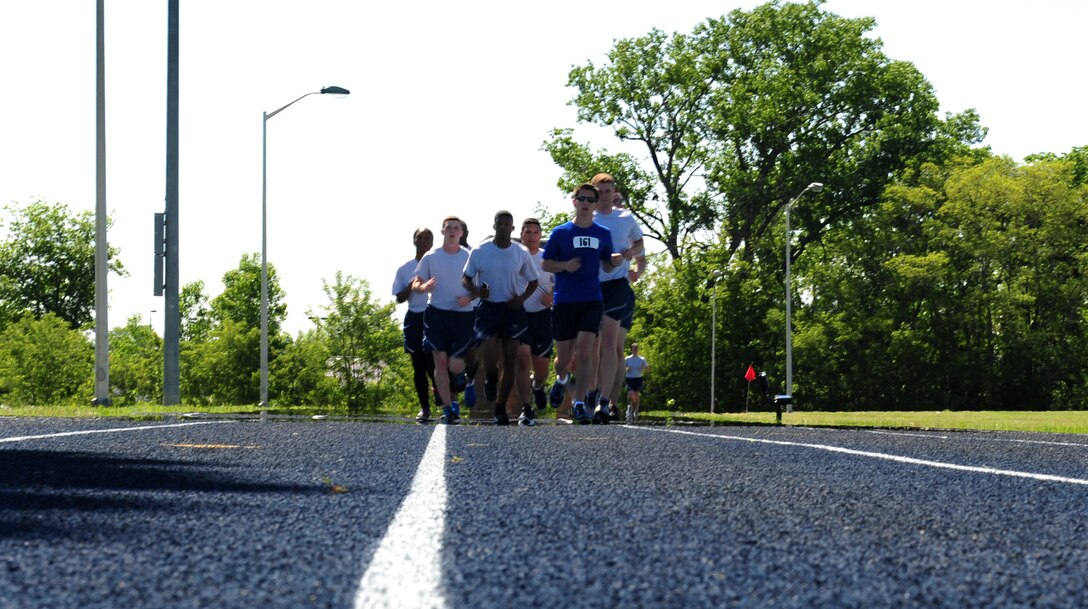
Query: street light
[814,187]
[339,91]
[716,275]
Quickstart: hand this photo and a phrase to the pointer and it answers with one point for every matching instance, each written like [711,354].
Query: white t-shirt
[503,269]
[446,268]
[546,283]
[405,274]
[625,231]
[635,365]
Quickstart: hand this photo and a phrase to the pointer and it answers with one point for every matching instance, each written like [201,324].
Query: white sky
[450,103]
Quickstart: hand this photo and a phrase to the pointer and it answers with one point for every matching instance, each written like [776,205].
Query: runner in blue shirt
[575,252]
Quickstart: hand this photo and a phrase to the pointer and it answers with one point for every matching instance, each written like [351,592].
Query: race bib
[582,242]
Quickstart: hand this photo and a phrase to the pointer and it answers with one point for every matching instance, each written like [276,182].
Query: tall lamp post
[813,187]
[340,91]
[713,330]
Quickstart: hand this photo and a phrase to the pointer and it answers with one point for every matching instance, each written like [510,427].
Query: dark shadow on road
[35,483]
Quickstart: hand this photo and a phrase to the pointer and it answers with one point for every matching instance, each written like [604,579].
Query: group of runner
[508,303]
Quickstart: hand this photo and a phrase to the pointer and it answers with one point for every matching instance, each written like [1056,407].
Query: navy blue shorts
[619,300]
[413,332]
[540,333]
[447,331]
[498,319]
[634,383]
[568,319]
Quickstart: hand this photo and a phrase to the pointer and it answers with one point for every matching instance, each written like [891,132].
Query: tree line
[929,273]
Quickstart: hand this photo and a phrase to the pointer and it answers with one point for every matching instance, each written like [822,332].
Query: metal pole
[171,375]
[335,91]
[713,341]
[789,309]
[814,187]
[101,246]
[264,262]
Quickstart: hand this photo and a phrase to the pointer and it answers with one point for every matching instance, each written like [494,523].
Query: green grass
[1067,421]
[1064,421]
[148,411]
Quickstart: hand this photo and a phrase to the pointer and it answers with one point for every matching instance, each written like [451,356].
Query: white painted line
[406,569]
[886,457]
[979,439]
[115,430]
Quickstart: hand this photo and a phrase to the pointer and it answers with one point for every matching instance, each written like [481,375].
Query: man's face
[607,192]
[452,231]
[424,240]
[504,227]
[530,236]
[585,200]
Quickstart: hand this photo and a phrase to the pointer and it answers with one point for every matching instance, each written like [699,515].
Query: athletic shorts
[498,319]
[619,299]
[568,319]
[447,331]
[634,383]
[413,332]
[540,332]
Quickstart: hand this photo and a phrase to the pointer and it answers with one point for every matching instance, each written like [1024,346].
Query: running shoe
[455,410]
[447,416]
[601,414]
[528,417]
[555,396]
[630,418]
[579,414]
[470,394]
[540,398]
[424,415]
[500,416]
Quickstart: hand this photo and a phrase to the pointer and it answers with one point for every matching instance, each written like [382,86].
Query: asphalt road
[215,513]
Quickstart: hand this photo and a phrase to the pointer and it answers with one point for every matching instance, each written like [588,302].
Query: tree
[241,296]
[220,357]
[300,376]
[196,321]
[43,361]
[135,363]
[738,116]
[225,369]
[47,264]
[364,342]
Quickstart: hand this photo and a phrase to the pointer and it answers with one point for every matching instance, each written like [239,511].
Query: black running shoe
[500,416]
[424,415]
[579,414]
[555,396]
[528,417]
[601,414]
[540,399]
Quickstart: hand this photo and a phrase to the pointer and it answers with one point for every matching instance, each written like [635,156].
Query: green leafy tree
[738,116]
[240,299]
[966,287]
[195,312]
[225,369]
[44,362]
[301,375]
[221,357]
[47,264]
[364,343]
[135,363]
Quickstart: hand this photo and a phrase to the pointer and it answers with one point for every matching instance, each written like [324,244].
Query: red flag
[751,374]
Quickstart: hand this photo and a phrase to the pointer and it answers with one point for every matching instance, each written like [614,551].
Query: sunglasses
[583,199]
